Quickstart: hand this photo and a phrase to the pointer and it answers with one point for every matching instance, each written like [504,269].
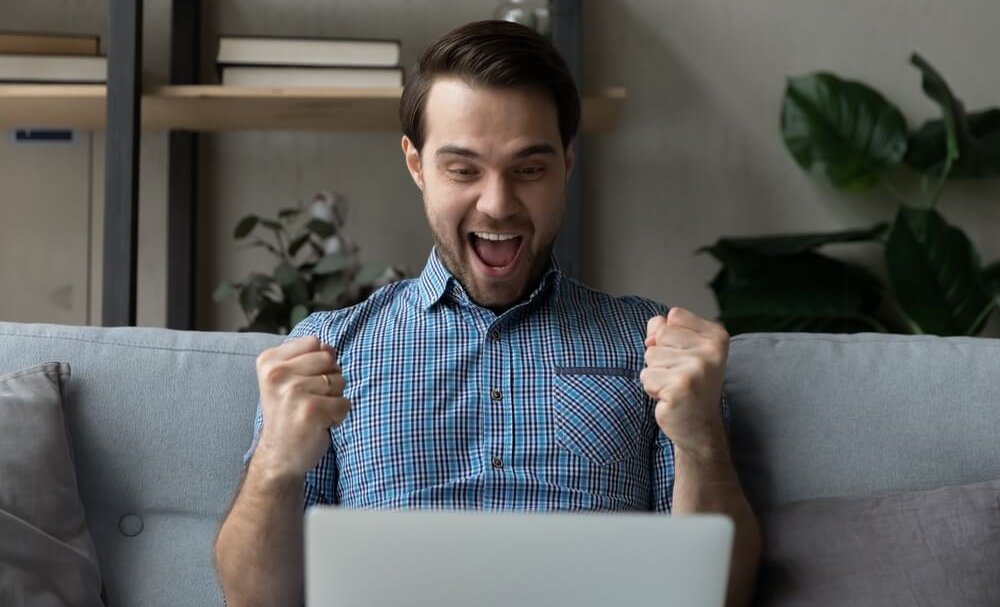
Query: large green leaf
[733,250]
[841,131]
[801,292]
[980,158]
[935,273]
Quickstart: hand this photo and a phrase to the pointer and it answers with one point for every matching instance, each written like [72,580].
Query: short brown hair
[492,54]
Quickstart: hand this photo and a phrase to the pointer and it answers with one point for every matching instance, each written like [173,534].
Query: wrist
[268,477]
[709,452]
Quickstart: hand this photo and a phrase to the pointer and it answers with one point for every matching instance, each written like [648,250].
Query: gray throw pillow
[46,555]
[935,547]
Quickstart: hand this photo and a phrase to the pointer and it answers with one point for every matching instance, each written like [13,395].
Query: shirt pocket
[599,412]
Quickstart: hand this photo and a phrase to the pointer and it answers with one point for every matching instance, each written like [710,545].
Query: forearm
[258,553]
[707,483]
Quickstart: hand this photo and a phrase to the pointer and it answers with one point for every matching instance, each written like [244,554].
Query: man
[492,381]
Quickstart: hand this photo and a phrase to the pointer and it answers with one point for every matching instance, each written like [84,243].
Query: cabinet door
[45,208]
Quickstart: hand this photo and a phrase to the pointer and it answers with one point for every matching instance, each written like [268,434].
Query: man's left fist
[685,361]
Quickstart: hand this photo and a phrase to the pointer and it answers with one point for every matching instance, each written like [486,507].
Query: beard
[497,295]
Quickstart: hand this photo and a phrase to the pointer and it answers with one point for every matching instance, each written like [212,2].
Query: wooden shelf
[223,108]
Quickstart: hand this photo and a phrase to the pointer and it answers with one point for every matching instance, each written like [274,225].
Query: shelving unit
[125,108]
[224,108]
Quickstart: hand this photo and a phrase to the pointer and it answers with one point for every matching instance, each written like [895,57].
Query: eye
[462,173]
[530,172]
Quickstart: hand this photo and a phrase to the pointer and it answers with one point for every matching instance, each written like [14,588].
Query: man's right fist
[302,397]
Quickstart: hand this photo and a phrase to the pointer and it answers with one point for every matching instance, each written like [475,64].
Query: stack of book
[51,58]
[308,62]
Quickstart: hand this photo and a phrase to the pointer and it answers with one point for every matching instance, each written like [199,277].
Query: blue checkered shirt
[454,406]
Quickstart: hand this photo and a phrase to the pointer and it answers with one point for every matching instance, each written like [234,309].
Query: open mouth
[496,252]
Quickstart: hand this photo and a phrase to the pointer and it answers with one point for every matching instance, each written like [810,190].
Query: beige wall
[35,179]
[697,155]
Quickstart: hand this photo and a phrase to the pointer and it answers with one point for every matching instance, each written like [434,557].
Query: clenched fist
[302,397]
[685,360]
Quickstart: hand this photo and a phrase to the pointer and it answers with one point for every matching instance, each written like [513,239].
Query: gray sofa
[160,420]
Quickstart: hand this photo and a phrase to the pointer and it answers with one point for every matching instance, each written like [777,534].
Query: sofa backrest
[159,421]
[831,415]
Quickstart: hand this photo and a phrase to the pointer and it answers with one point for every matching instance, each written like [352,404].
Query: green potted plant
[317,267]
[848,135]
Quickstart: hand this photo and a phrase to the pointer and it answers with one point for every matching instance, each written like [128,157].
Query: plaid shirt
[539,408]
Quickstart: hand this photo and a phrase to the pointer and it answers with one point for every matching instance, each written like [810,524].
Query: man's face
[493,175]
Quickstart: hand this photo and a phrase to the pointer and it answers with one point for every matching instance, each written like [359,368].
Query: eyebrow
[531,150]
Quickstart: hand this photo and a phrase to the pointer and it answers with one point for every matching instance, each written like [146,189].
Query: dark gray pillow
[935,547]
[46,555]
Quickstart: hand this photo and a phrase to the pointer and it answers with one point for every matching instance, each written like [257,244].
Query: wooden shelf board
[52,105]
[222,108]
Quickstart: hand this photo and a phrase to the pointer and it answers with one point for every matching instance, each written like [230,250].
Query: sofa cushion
[160,420]
[47,555]
[838,415]
[934,547]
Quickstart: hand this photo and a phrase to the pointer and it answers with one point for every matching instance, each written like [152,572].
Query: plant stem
[936,195]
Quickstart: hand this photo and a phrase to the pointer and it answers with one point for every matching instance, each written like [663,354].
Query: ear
[413,162]
[570,159]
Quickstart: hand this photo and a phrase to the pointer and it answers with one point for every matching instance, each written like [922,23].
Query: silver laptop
[458,558]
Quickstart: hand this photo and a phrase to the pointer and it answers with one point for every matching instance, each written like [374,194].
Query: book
[349,77]
[53,68]
[249,50]
[48,44]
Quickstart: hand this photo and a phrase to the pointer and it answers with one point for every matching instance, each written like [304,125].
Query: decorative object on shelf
[318,267]
[536,14]
[847,134]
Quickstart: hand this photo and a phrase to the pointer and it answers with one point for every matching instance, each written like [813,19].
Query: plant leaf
[369,273]
[245,226]
[225,291]
[270,223]
[323,229]
[980,158]
[297,243]
[289,213]
[934,271]
[285,274]
[332,263]
[841,131]
[797,292]
[330,288]
[297,315]
[952,110]
[991,275]
[730,250]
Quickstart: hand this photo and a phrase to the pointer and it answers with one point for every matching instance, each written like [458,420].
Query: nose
[497,199]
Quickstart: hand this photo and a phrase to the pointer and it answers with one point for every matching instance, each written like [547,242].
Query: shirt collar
[436,281]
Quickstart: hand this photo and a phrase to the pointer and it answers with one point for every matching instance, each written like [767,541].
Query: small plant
[317,267]
[849,136]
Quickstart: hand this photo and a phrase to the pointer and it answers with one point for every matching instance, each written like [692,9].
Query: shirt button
[496,394]
[495,335]
[497,463]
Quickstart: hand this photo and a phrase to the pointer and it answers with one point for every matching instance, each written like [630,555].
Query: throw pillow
[46,555]
[935,547]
